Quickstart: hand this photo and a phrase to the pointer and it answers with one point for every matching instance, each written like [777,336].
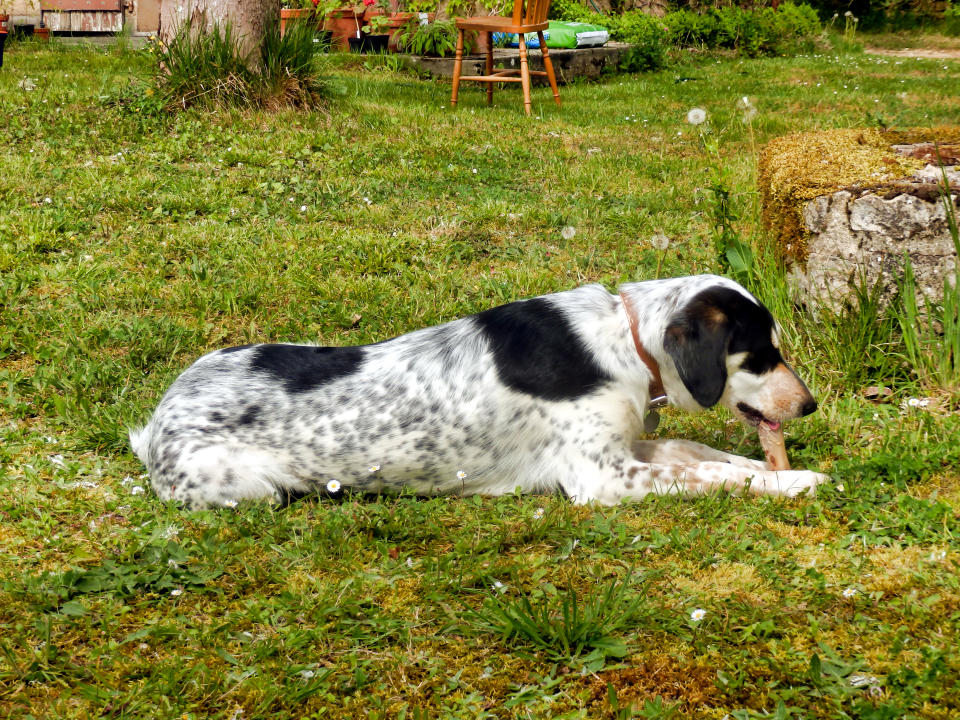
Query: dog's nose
[808,407]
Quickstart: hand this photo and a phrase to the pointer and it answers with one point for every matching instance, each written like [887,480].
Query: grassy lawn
[129,245]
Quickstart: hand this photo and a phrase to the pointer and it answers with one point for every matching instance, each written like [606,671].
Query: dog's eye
[761,361]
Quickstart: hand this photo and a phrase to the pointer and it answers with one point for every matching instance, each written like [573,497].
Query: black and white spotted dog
[546,394]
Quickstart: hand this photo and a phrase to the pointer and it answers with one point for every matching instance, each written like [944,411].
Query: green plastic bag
[563,35]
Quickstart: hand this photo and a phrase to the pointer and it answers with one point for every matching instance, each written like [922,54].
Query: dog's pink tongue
[771,439]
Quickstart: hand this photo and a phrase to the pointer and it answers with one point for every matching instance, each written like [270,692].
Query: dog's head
[724,345]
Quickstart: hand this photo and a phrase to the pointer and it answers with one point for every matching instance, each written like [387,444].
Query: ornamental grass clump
[207,69]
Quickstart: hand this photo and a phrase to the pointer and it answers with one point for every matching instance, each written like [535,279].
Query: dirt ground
[930,53]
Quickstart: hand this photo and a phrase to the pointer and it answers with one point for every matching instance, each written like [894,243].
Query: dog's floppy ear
[697,339]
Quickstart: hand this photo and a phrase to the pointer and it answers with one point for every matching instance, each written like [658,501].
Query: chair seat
[498,23]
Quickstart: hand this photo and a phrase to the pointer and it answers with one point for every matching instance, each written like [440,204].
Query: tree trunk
[247,19]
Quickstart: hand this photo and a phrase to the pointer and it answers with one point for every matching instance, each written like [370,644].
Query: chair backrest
[535,11]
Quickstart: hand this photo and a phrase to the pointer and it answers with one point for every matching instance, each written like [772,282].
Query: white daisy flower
[849,592]
[698,615]
[176,592]
[461,475]
[373,468]
[230,503]
[137,490]
[499,587]
[333,486]
[697,116]
[538,514]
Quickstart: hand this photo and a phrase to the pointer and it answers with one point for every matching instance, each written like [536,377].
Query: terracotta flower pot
[343,24]
[289,15]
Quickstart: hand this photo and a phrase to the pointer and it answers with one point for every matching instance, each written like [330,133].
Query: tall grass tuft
[202,68]
[207,69]
[565,625]
[291,72]
[931,337]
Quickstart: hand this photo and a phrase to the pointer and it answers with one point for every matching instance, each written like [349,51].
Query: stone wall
[847,206]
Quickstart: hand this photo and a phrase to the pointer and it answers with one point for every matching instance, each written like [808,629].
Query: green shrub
[766,31]
[649,38]
[688,28]
[951,19]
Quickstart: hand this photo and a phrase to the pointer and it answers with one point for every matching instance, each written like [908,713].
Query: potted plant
[343,21]
[407,11]
[438,38]
[374,36]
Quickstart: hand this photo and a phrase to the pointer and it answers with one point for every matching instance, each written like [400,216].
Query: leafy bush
[650,39]
[765,31]
[751,32]
[951,19]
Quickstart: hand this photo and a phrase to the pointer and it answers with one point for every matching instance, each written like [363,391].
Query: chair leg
[457,63]
[524,74]
[548,66]
[489,65]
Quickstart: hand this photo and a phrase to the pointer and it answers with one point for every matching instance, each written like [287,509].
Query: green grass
[129,245]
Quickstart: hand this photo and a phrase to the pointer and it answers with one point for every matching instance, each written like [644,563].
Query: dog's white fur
[542,395]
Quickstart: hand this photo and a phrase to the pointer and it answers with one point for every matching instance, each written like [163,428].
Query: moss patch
[794,169]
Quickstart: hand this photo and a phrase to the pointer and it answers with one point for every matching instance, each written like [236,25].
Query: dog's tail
[140,443]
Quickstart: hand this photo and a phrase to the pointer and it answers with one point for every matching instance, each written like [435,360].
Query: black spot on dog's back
[249,415]
[302,367]
[537,352]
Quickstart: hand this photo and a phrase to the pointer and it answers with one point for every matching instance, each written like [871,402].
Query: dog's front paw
[792,483]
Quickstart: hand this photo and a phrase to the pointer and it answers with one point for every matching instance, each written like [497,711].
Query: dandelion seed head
[568,232]
[660,242]
[697,116]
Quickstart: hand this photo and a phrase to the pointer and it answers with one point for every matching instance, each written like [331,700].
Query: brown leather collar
[656,382]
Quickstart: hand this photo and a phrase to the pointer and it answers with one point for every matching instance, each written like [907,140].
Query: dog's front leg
[672,452]
[635,480]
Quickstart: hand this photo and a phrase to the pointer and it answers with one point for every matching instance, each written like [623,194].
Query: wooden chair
[532,18]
